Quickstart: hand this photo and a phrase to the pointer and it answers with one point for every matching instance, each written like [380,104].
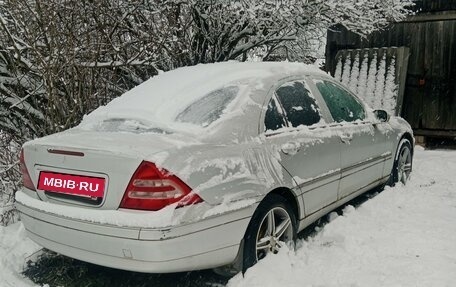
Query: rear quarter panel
[229,173]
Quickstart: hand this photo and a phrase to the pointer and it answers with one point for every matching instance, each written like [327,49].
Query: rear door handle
[291,148]
[346,138]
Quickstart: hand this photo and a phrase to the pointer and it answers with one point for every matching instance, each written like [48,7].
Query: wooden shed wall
[430,92]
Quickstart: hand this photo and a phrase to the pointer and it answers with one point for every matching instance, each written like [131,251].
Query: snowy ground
[404,236]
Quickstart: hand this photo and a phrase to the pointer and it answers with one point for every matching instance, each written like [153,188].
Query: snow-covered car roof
[163,99]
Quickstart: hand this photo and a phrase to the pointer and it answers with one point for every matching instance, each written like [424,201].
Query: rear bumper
[208,243]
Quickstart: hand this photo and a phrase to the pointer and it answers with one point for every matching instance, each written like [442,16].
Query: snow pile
[405,236]
[372,78]
[15,247]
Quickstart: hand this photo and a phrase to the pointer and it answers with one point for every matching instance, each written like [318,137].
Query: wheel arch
[410,138]
[406,136]
[290,197]
[238,265]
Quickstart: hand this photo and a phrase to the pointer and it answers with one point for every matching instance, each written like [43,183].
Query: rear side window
[209,108]
[299,106]
[342,105]
[274,118]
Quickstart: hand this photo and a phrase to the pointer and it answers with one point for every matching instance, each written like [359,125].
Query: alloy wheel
[404,166]
[275,229]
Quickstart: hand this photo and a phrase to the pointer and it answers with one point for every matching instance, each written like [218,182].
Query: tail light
[26,179]
[153,188]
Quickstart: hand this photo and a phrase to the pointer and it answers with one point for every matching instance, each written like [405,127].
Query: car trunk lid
[90,169]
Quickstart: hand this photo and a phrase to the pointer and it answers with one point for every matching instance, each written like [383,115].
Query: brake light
[153,188]
[26,179]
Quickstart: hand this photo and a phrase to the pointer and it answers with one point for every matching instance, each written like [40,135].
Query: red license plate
[72,184]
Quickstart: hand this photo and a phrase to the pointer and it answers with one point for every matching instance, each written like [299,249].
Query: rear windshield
[209,108]
[127,125]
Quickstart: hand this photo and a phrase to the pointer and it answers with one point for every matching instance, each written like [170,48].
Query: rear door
[298,134]
[363,150]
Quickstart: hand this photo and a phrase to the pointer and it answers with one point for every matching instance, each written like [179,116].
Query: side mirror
[382,115]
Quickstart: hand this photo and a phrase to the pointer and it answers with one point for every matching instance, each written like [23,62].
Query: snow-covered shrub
[9,178]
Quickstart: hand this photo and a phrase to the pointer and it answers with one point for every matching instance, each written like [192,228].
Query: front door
[364,149]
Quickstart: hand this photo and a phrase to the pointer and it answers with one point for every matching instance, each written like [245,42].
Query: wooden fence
[376,74]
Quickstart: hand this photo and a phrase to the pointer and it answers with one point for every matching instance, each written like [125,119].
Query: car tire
[402,166]
[260,239]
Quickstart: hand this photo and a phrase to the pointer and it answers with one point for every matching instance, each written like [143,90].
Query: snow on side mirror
[381,115]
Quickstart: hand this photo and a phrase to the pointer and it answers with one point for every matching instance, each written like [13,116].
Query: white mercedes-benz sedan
[210,166]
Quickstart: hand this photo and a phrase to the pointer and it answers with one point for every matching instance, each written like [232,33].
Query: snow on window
[126,125]
[299,105]
[209,108]
[314,108]
[274,118]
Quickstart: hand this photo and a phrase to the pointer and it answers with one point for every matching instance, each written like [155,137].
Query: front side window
[342,105]
[209,108]
[299,106]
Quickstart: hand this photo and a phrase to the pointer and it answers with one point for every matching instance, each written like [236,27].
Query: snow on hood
[159,100]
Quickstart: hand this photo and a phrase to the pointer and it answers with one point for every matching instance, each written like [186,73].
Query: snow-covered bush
[9,178]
